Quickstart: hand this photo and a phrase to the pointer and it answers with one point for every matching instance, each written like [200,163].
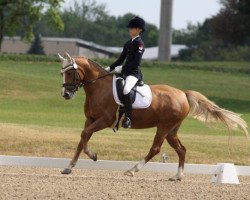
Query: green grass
[30,92]
[30,95]
[31,140]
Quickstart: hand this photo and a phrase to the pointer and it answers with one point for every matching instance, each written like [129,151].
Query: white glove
[118,69]
[107,69]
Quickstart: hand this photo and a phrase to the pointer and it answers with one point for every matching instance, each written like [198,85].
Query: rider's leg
[129,84]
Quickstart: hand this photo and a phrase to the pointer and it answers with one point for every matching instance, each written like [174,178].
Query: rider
[132,52]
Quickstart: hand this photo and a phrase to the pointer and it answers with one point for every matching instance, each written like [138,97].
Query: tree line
[225,36]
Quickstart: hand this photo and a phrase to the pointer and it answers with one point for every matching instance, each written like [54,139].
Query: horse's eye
[68,73]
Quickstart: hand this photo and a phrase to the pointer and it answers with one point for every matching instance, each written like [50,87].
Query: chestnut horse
[169,107]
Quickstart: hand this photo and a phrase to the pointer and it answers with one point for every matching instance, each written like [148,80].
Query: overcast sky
[184,11]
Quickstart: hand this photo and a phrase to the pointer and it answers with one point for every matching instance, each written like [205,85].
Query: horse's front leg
[90,128]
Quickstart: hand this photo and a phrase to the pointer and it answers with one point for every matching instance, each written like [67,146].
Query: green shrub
[213,53]
[240,53]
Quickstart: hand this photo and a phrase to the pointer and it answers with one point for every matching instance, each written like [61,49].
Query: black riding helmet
[137,22]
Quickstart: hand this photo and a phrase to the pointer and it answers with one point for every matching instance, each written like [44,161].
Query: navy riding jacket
[132,52]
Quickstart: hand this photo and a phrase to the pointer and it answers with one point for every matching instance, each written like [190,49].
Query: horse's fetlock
[86,151]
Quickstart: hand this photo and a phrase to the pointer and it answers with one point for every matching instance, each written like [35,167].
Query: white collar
[135,38]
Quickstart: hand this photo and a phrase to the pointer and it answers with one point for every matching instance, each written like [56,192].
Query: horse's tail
[207,111]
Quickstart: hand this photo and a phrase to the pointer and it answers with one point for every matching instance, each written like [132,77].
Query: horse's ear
[60,57]
[70,60]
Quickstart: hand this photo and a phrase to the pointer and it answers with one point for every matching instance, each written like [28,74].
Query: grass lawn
[36,120]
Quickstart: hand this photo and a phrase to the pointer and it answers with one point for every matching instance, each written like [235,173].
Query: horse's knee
[184,149]
[181,150]
[155,150]
[84,135]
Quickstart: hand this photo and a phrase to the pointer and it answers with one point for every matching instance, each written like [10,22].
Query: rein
[94,80]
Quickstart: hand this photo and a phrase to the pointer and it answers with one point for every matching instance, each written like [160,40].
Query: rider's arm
[120,60]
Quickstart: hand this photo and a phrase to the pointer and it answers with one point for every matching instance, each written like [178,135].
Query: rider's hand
[118,69]
[107,69]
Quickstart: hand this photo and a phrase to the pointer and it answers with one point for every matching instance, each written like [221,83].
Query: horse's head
[71,76]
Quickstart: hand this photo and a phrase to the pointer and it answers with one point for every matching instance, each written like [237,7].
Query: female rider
[132,52]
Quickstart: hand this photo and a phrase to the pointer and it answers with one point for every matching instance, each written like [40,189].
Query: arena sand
[44,183]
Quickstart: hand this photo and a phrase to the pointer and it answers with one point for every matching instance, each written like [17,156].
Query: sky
[184,11]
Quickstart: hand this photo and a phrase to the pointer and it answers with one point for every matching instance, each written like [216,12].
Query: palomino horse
[169,107]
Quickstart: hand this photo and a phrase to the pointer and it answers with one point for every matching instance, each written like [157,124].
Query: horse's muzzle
[67,94]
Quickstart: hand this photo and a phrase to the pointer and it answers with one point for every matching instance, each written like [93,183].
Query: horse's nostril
[67,95]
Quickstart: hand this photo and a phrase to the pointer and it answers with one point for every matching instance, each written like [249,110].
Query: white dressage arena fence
[221,173]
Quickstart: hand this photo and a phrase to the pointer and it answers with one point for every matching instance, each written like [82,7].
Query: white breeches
[129,84]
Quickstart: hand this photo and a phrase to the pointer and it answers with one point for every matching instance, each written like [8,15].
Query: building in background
[76,47]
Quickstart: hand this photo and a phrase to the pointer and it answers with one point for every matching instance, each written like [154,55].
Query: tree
[36,46]
[91,21]
[220,37]
[23,15]
[232,23]
[188,36]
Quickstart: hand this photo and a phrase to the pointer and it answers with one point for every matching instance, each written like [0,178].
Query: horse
[169,107]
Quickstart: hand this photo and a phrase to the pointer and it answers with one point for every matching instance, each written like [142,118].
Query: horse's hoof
[94,157]
[174,179]
[129,173]
[66,171]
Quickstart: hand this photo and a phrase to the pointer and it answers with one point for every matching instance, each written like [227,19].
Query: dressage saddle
[120,85]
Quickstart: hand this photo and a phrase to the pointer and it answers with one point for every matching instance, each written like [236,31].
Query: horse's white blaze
[67,64]
[63,89]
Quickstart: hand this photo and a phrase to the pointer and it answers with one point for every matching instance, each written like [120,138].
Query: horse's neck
[100,86]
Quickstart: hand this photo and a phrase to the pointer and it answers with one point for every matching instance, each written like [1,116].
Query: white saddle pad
[143,98]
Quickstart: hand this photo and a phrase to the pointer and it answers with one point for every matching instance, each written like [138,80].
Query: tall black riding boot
[128,110]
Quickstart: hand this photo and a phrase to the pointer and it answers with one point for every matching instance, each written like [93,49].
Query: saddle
[120,82]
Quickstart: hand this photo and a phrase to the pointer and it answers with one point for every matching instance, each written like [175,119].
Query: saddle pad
[140,101]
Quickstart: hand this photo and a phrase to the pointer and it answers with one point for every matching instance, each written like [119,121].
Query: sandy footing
[43,183]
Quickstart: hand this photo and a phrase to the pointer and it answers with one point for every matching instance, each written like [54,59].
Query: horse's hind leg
[174,142]
[155,149]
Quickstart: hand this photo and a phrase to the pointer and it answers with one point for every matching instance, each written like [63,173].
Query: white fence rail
[113,165]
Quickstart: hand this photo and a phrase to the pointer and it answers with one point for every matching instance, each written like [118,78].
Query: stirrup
[126,122]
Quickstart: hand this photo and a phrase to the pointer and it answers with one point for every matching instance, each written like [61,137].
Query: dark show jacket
[132,52]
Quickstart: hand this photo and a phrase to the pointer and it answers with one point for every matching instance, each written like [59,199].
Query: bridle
[77,82]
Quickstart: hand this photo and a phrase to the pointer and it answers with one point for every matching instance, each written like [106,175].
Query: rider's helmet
[137,22]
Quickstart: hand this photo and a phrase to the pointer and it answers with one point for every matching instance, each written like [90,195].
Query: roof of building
[151,53]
